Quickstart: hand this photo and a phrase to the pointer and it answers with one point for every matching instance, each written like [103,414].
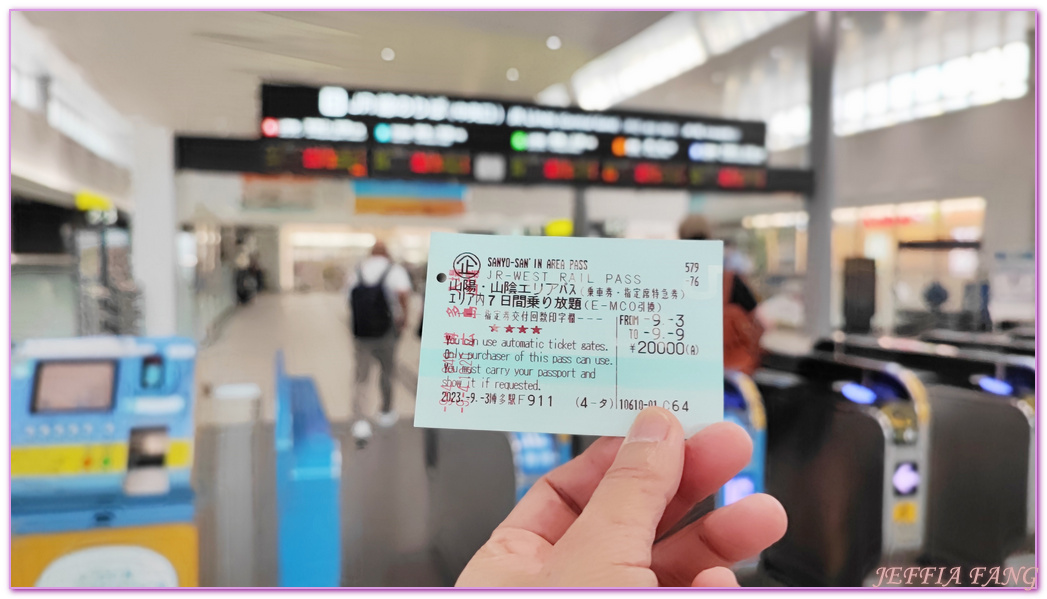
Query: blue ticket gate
[101,453]
[743,405]
[308,486]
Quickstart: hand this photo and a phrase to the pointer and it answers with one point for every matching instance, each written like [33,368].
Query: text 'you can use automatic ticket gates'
[847,452]
[101,454]
[981,503]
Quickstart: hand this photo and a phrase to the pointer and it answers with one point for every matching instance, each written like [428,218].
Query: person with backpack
[379,290]
[741,329]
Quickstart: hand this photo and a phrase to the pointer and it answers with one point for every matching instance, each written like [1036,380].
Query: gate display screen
[74,386]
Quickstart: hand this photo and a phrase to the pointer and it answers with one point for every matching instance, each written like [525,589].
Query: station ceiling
[198,72]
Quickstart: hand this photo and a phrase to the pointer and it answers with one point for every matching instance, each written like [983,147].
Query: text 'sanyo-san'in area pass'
[570,335]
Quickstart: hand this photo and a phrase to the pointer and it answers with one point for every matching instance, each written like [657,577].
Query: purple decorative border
[1036,91]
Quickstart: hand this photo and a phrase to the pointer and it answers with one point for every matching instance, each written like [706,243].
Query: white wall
[488,207]
[46,81]
[65,137]
[988,151]
[48,165]
[154,228]
[646,213]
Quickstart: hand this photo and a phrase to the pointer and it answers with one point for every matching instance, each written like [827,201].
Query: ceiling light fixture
[512,74]
[553,43]
[388,54]
[556,94]
[667,49]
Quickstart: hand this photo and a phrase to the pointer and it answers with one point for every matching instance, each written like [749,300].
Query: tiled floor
[313,333]
[384,485]
[385,534]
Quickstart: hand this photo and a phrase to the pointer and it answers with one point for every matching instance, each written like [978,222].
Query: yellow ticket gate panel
[160,555]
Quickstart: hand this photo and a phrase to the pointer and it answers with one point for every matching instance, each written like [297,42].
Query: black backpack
[371,314]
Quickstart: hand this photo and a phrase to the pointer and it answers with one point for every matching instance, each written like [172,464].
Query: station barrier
[308,481]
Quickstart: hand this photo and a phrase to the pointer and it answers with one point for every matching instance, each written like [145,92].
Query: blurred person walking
[379,290]
[741,329]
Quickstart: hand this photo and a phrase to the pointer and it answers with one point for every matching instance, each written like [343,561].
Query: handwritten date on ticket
[570,335]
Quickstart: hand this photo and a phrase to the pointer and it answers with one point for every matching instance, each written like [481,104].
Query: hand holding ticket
[570,335]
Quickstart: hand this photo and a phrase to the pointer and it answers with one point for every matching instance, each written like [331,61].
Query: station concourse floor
[384,485]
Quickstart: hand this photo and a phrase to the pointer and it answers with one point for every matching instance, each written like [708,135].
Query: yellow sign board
[86,201]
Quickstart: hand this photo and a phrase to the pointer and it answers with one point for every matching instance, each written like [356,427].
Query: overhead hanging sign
[506,128]
[404,198]
[381,134]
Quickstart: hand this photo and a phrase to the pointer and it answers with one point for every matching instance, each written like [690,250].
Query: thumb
[715,577]
[618,524]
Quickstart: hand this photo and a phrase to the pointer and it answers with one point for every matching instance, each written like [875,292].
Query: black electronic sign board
[275,156]
[356,133]
[505,128]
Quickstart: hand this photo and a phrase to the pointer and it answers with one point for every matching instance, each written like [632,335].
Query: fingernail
[651,425]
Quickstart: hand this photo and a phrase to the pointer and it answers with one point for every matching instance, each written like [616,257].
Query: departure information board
[381,134]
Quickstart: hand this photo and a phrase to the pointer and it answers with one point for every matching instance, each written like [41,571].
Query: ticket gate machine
[743,406]
[308,485]
[994,372]
[535,454]
[847,452]
[1025,332]
[998,342]
[475,479]
[981,502]
[101,453]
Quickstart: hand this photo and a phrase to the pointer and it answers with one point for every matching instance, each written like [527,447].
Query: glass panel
[44,303]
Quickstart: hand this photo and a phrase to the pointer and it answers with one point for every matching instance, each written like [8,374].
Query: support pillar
[818,283]
[581,214]
[154,227]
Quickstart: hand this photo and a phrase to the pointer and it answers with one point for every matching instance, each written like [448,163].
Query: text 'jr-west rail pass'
[570,335]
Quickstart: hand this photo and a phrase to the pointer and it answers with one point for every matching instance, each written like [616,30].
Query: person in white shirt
[379,290]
